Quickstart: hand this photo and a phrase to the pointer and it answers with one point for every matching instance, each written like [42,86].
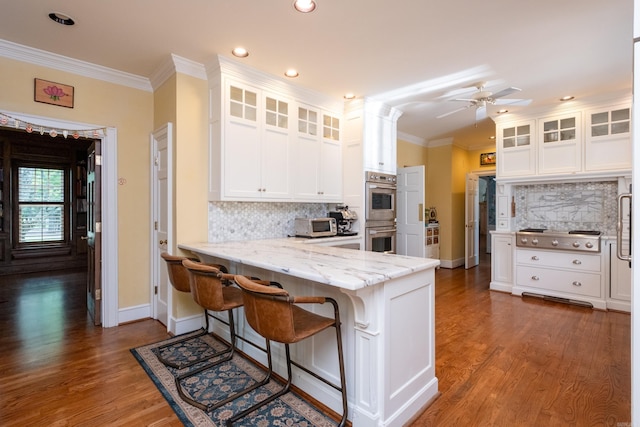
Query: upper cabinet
[560,144]
[607,139]
[256,144]
[515,145]
[267,143]
[593,141]
[317,156]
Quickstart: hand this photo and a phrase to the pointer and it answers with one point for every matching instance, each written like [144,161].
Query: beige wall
[446,169]
[182,100]
[106,104]
[439,193]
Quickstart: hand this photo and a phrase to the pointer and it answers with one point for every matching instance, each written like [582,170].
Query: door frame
[109,139]
[479,174]
[165,130]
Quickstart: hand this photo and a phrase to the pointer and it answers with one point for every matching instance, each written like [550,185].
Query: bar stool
[212,290]
[179,279]
[273,314]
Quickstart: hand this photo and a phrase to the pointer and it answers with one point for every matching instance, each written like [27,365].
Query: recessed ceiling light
[240,52]
[502,111]
[567,98]
[61,18]
[492,137]
[349,95]
[291,73]
[304,6]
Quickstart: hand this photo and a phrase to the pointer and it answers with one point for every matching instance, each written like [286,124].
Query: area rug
[216,383]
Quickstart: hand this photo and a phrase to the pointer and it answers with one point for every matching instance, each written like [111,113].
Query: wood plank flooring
[501,360]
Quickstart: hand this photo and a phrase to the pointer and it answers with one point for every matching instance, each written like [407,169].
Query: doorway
[109,224]
[487,210]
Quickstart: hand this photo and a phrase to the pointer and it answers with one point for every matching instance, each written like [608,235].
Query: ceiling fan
[482,98]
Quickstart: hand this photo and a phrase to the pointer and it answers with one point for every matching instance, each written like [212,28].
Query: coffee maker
[344,219]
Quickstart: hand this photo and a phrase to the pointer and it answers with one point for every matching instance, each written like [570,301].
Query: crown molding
[52,60]
[176,64]
[220,66]
[440,142]
[412,139]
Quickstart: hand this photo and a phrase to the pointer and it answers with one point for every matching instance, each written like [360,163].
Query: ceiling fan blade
[452,112]
[511,101]
[505,92]
[481,113]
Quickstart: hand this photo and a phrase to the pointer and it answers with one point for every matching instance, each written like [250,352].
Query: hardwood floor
[500,360]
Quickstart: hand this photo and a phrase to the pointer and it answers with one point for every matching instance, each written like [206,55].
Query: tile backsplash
[258,220]
[567,206]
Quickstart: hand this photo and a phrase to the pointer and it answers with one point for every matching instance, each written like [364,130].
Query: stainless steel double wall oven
[380,212]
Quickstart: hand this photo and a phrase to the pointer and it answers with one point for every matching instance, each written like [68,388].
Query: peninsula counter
[388,322]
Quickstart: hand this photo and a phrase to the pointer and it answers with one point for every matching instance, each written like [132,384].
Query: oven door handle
[383,186]
[390,230]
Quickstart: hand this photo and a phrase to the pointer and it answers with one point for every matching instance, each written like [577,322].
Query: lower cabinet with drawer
[569,276]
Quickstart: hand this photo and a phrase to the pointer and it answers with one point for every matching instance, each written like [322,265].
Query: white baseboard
[186,324]
[502,287]
[131,314]
[448,263]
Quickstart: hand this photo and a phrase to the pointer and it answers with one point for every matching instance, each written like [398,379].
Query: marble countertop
[345,268]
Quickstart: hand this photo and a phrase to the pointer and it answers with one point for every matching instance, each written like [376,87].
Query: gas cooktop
[572,240]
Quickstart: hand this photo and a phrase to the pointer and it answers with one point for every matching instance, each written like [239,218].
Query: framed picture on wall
[53,93]
[487,159]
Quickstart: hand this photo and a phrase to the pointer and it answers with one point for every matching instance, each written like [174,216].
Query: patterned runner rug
[216,383]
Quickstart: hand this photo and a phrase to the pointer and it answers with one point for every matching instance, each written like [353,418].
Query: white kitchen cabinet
[259,147]
[560,144]
[432,240]
[504,202]
[608,138]
[257,144]
[502,246]
[516,145]
[618,280]
[571,276]
[318,156]
[380,137]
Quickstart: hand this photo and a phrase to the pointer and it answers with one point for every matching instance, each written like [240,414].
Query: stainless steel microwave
[316,227]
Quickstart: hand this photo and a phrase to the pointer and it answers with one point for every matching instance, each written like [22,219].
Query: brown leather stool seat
[273,314]
[179,279]
[212,290]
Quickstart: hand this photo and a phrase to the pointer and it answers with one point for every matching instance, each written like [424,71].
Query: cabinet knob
[577,262]
[576,283]
[535,258]
[535,278]
[163,242]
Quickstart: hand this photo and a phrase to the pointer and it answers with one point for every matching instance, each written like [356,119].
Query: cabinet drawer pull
[535,278]
[576,283]
[535,258]
[577,262]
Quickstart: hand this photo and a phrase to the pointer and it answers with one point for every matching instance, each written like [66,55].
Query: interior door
[94,233]
[471,222]
[410,211]
[162,200]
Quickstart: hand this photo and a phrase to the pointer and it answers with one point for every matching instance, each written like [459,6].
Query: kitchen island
[387,311]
